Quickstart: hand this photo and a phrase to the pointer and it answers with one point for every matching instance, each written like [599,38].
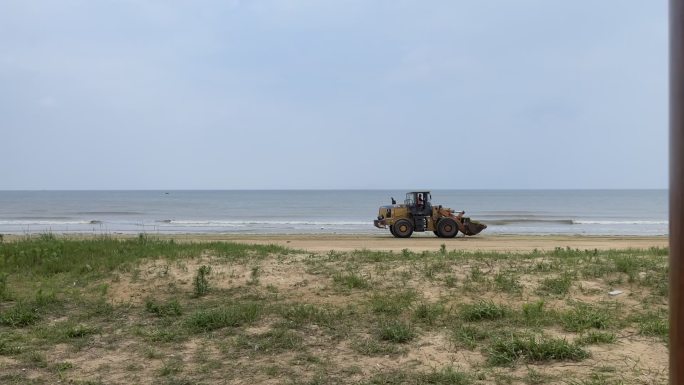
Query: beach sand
[420,242]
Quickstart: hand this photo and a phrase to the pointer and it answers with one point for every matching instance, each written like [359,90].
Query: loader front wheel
[391,227]
[403,229]
[446,228]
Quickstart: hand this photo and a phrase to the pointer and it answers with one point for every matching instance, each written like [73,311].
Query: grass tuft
[396,331]
[536,314]
[274,341]
[168,309]
[445,376]
[596,337]
[80,331]
[506,351]
[20,315]
[300,315]
[394,303]
[469,335]
[585,316]
[428,313]
[9,349]
[558,286]
[507,283]
[483,310]
[200,283]
[352,280]
[231,316]
[653,323]
[372,347]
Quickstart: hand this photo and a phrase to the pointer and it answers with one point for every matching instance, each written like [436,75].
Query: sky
[344,94]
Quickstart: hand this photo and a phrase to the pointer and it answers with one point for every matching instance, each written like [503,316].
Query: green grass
[393,303]
[49,255]
[596,337]
[169,308]
[351,280]
[444,376]
[372,347]
[80,331]
[584,316]
[20,315]
[201,282]
[653,323]
[396,331]
[428,313]
[536,314]
[229,316]
[300,315]
[597,379]
[9,347]
[274,341]
[483,311]
[507,351]
[5,293]
[470,336]
[507,282]
[558,285]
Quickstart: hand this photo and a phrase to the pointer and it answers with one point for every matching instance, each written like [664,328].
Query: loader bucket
[473,227]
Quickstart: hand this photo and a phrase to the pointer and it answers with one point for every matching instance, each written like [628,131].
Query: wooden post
[676,191]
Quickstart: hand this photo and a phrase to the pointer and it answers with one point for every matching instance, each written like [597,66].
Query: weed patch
[584,316]
[351,280]
[506,351]
[230,316]
[396,331]
[428,313]
[507,283]
[273,341]
[469,335]
[536,314]
[653,323]
[483,311]
[200,282]
[19,315]
[446,376]
[169,309]
[558,286]
[394,303]
[372,347]
[596,337]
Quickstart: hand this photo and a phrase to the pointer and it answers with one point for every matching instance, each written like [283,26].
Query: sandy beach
[419,242]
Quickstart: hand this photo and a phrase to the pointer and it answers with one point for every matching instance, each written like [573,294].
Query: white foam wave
[43,223]
[265,223]
[634,222]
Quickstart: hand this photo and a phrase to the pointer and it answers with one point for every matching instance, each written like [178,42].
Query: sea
[532,212]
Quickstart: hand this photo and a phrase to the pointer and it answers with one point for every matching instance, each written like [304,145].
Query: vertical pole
[676,191]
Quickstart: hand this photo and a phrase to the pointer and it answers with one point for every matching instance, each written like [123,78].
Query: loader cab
[418,202]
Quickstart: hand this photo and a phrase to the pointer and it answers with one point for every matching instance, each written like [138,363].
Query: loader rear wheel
[403,228]
[446,228]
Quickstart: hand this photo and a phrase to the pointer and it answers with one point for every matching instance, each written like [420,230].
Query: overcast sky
[333,94]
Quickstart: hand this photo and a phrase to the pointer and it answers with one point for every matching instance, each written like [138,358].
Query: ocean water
[586,212]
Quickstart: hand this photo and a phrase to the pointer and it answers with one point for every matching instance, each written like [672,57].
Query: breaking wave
[191,223]
[516,221]
[634,222]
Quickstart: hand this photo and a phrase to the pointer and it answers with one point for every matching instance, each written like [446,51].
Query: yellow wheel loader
[417,213]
